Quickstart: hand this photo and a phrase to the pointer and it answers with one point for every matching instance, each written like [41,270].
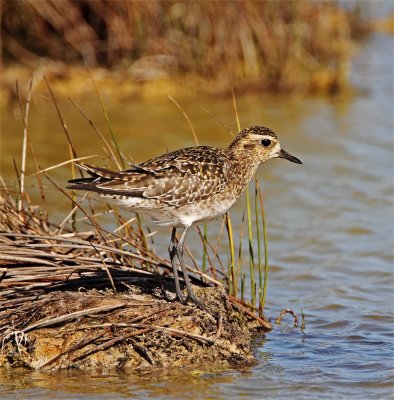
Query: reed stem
[107,120]
[25,138]
[204,247]
[266,266]
[251,254]
[232,287]
[260,264]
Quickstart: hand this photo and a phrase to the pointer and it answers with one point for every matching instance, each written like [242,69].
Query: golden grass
[209,45]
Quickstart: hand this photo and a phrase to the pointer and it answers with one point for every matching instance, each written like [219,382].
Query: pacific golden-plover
[187,187]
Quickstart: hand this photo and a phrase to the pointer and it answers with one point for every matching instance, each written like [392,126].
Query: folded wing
[182,177]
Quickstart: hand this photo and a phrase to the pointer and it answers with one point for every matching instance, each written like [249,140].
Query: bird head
[259,144]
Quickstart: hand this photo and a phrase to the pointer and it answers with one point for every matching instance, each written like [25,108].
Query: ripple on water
[357,230]
[331,307]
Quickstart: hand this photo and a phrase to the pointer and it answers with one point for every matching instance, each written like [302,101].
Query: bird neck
[244,167]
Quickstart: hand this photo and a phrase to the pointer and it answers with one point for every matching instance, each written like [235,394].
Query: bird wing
[182,177]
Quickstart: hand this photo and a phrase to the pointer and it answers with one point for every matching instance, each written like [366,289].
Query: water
[330,226]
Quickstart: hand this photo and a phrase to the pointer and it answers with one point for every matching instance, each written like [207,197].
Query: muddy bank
[136,329]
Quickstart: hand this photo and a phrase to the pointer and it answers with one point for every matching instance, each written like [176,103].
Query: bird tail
[97,175]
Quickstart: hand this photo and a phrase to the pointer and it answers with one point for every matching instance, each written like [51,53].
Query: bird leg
[179,252]
[172,249]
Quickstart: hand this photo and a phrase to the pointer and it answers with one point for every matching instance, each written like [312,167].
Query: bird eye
[266,142]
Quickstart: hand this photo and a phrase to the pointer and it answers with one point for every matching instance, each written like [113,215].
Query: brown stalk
[229,131]
[111,342]
[25,118]
[83,343]
[99,134]
[41,171]
[76,204]
[245,310]
[70,317]
[106,268]
[187,119]
[178,332]
[205,245]
[73,153]
[211,263]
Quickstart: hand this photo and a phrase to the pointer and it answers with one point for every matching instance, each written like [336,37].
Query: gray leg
[179,252]
[172,249]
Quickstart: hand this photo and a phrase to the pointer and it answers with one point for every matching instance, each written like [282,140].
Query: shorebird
[186,187]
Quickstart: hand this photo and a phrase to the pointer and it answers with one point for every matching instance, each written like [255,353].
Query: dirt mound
[136,329]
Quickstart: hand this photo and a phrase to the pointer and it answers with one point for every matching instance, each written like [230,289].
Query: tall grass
[109,125]
[263,284]
[24,146]
[258,208]
[266,45]
[232,275]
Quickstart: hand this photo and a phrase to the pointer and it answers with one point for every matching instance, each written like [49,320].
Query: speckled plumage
[190,185]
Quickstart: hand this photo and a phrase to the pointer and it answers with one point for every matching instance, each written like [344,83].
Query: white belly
[187,215]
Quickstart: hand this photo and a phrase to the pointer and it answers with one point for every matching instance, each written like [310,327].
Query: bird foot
[193,299]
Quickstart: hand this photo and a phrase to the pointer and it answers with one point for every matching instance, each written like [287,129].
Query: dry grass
[254,45]
[37,254]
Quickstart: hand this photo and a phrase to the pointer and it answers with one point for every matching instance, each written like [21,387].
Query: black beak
[287,156]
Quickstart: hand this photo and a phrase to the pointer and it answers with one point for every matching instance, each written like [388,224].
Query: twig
[24,148]
[3,272]
[261,321]
[76,204]
[100,135]
[144,352]
[181,333]
[72,349]
[63,163]
[69,317]
[110,343]
[236,110]
[219,326]
[19,336]
[73,153]
[283,313]
[106,269]
[302,327]
[154,327]
[6,257]
[220,122]
[186,117]
[5,190]
[101,101]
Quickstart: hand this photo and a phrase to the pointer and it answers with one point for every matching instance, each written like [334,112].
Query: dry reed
[269,45]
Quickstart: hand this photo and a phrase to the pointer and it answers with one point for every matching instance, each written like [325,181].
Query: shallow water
[330,227]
